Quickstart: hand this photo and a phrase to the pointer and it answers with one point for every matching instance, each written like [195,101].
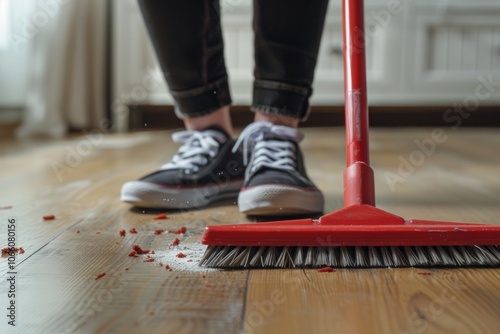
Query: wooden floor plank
[59,292]
[146,296]
[373,301]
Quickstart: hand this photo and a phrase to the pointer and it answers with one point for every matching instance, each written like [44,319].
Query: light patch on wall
[4,23]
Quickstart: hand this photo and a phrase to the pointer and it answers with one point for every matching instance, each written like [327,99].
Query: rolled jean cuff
[281,98]
[202,101]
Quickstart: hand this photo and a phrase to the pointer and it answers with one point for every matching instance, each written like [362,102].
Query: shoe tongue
[221,131]
[282,133]
[218,129]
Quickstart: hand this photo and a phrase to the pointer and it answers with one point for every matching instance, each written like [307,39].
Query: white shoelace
[276,154]
[197,145]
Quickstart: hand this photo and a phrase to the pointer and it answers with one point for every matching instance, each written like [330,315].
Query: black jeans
[188,41]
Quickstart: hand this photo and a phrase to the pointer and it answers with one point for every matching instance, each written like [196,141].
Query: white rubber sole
[150,195]
[276,200]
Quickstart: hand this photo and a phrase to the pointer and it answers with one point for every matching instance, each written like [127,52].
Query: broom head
[355,236]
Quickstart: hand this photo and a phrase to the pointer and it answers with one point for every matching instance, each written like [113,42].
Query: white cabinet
[383,36]
[457,47]
[420,52]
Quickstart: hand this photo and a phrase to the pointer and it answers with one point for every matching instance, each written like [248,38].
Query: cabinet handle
[337,50]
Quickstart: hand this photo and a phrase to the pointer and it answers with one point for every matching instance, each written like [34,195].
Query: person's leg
[219,117]
[276,119]
[287,39]
[188,42]
[187,38]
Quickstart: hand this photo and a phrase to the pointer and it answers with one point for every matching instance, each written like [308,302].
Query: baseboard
[147,117]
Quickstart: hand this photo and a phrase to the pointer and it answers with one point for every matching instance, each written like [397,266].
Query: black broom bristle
[350,257]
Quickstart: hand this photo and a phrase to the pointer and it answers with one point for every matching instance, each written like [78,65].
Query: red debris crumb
[176,242]
[153,252]
[116,242]
[159,231]
[190,261]
[139,250]
[326,270]
[181,255]
[161,216]
[161,264]
[132,254]
[149,260]
[78,231]
[167,267]
[100,276]
[151,313]
[122,233]
[182,230]
[133,230]
[6,250]
[424,273]
[49,217]
[127,268]
[7,207]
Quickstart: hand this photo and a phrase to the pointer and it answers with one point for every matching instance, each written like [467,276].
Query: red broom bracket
[359,185]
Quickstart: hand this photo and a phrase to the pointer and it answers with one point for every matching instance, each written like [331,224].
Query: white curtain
[67,76]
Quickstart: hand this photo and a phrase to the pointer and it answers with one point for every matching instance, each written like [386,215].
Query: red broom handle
[358,177]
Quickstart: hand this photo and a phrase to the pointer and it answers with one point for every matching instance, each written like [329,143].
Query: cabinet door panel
[456,49]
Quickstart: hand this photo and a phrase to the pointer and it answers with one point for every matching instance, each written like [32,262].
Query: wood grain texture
[373,301]
[58,293]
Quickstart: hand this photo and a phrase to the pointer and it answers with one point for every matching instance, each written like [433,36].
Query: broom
[359,235]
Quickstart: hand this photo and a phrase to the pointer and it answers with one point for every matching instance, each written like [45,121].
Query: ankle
[276,119]
[219,117]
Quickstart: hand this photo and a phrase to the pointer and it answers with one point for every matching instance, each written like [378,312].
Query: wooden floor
[78,180]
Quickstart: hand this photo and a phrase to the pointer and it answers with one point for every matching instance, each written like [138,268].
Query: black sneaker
[203,170]
[276,182]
